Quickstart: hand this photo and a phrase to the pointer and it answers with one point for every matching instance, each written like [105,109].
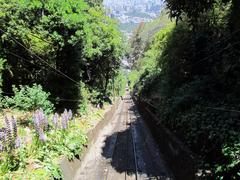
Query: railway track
[125,150]
[125,124]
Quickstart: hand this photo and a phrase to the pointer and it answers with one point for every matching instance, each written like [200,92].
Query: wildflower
[55,120]
[8,134]
[17,142]
[1,147]
[70,114]
[2,137]
[42,136]
[2,134]
[14,126]
[64,118]
[40,122]
[36,123]
[45,122]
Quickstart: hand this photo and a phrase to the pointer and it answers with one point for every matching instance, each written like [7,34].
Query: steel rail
[133,143]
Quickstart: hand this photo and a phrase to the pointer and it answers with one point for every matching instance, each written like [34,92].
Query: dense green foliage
[143,36]
[147,65]
[193,82]
[149,29]
[29,99]
[119,84]
[58,44]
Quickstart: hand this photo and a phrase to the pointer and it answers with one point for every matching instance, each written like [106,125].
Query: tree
[58,44]
[136,45]
[194,10]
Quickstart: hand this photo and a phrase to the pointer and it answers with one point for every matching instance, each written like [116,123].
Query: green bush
[28,98]
[119,84]
[232,166]
[85,95]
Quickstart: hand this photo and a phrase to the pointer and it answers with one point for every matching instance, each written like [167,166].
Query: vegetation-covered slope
[59,44]
[190,73]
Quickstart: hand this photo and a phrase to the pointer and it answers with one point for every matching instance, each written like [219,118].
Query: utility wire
[223,109]
[218,52]
[54,99]
[57,99]
[212,108]
[66,76]
[20,57]
[225,38]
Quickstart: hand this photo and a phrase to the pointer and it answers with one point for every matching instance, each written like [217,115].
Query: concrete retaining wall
[177,155]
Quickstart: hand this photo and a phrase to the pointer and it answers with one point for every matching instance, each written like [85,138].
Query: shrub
[83,106]
[28,98]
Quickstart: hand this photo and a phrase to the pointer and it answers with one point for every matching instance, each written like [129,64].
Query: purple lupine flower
[2,139]
[42,136]
[70,114]
[64,122]
[45,122]
[65,112]
[55,120]
[36,122]
[17,142]
[1,147]
[41,117]
[64,118]
[14,127]
[8,134]
[2,134]
[40,122]
[41,114]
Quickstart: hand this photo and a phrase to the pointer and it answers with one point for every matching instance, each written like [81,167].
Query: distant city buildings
[133,12]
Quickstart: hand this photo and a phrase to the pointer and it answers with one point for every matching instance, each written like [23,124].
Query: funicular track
[125,149]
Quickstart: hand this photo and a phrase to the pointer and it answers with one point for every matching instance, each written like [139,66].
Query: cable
[222,109]
[40,38]
[66,76]
[20,57]
[54,99]
[57,99]
[225,39]
[206,58]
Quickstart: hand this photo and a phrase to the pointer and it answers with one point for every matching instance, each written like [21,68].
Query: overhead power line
[218,52]
[41,59]
[54,99]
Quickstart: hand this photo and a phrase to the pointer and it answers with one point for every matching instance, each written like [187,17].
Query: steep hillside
[189,76]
